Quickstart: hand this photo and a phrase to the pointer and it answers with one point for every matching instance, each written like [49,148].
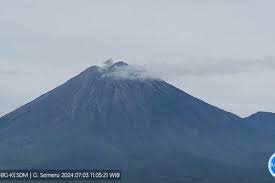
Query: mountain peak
[119,64]
[122,70]
[261,114]
[108,67]
[110,63]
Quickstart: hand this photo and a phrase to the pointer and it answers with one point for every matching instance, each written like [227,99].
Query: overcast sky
[220,51]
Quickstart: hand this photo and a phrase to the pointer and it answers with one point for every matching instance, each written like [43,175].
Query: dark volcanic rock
[146,127]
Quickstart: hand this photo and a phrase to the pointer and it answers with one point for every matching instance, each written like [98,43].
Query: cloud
[4,72]
[209,67]
[186,67]
[121,70]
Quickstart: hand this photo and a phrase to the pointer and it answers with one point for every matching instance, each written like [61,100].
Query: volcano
[119,117]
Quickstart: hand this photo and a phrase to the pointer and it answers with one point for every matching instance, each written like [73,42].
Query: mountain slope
[114,117]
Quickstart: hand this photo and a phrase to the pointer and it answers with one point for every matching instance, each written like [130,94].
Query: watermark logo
[271,165]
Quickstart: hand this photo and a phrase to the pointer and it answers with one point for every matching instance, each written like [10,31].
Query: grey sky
[219,51]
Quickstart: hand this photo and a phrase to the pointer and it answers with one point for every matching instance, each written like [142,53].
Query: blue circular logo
[271,165]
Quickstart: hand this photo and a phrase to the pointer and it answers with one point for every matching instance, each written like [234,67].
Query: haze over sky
[219,51]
